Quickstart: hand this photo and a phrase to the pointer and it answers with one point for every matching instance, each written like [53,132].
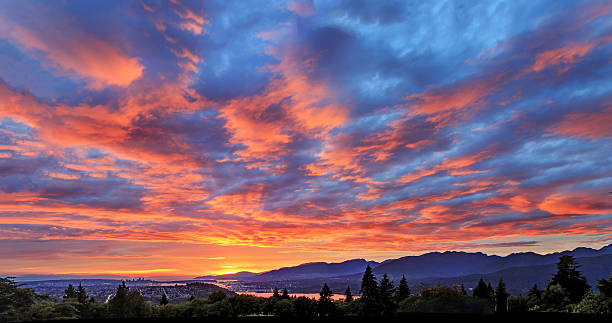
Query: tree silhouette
[491,293]
[369,293]
[275,294]
[386,292]
[570,278]
[326,305]
[462,290]
[70,292]
[164,300]
[285,294]
[534,297]
[501,297]
[81,294]
[403,291]
[348,296]
[481,290]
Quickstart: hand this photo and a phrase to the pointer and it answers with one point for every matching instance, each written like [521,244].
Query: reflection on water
[336,297]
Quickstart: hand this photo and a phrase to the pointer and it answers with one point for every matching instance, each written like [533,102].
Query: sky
[181,138]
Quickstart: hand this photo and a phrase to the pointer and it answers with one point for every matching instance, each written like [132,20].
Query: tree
[348,296]
[570,278]
[491,293]
[216,296]
[305,306]
[126,304]
[369,294]
[70,292]
[325,302]
[534,297]
[462,290]
[481,290]
[81,294]
[593,304]
[275,294]
[501,297]
[164,300]
[605,287]
[403,291]
[386,291]
[555,298]
[285,294]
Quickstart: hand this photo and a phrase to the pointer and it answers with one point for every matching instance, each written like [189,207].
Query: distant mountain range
[519,270]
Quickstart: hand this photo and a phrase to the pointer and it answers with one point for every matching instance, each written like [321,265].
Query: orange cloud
[596,125]
[97,61]
[576,204]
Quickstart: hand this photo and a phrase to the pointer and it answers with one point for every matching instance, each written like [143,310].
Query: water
[336,297]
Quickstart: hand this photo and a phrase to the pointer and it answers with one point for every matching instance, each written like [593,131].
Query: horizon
[119,276]
[187,138]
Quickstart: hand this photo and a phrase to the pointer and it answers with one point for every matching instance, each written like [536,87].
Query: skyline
[190,138]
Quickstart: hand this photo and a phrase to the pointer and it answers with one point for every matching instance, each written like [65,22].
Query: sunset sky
[181,138]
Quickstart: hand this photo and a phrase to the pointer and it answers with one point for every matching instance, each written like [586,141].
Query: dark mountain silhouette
[315,270]
[520,279]
[235,276]
[430,265]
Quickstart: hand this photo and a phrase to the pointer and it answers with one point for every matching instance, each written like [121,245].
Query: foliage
[570,278]
[501,297]
[164,300]
[348,296]
[369,294]
[81,294]
[444,299]
[403,291]
[386,292]
[326,305]
[555,298]
[593,303]
[126,304]
[517,304]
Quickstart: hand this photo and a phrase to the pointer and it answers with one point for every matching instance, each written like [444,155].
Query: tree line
[566,291]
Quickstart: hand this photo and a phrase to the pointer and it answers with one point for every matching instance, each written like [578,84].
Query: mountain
[431,265]
[520,279]
[316,270]
[453,264]
[243,275]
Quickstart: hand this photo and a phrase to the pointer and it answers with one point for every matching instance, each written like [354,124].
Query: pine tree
[325,302]
[285,294]
[348,296]
[369,294]
[386,291]
[81,294]
[570,278]
[119,304]
[534,297]
[70,292]
[403,291]
[480,290]
[491,293]
[462,290]
[164,300]
[276,294]
[501,297]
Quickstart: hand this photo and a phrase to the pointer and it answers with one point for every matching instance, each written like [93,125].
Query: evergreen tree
[70,292]
[276,294]
[369,293]
[348,297]
[164,300]
[285,294]
[462,290]
[501,297]
[118,305]
[81,294]
[403,291]
[570,278]
[491,293]
[534,297]
[605,287]
[386,292]
[326,305]
[481,290]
